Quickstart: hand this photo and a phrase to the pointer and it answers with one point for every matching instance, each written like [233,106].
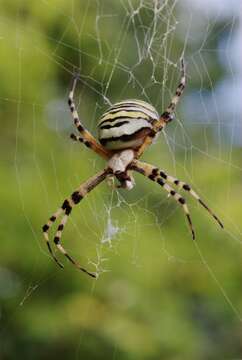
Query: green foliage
[159,298]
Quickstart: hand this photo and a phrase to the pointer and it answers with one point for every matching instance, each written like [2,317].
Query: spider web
[127,49]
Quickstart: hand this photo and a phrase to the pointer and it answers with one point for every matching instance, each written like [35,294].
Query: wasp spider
[126,129]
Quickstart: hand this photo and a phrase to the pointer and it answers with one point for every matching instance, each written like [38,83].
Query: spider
[126,129]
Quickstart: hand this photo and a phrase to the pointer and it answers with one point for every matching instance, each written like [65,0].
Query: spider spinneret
[126,129]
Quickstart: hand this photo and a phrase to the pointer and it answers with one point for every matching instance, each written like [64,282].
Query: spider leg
[80,139]
[167,115]
[153,174]
[187,187]
[152,171]
[46,229]
[88,138]
[66,209]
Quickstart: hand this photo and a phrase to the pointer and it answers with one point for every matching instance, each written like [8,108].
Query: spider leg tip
[93,275]
[58,263]
[219,222]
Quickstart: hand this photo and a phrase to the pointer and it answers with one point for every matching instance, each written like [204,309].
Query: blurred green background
[159,295]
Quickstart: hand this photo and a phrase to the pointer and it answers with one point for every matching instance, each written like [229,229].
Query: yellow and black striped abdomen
[125,124]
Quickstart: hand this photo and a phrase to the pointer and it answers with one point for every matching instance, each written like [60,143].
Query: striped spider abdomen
[126,124]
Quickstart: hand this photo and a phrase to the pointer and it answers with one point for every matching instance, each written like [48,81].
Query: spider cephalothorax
[126,129]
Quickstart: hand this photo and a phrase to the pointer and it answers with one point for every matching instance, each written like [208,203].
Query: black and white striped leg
[88,138]
[65,211]
[153,174]
[184,186]
[168,114]
[46,229]
[80,139]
